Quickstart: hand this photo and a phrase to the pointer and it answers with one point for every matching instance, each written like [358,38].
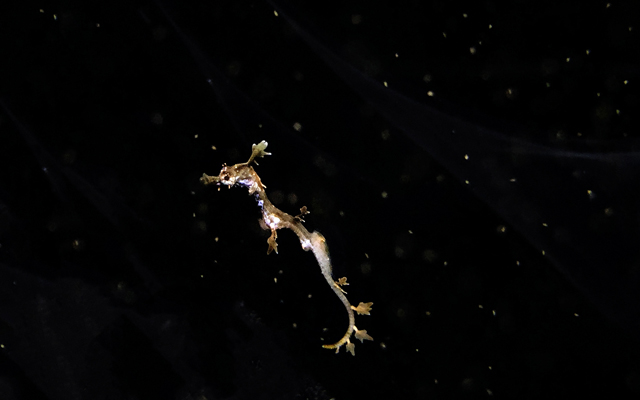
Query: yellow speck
[472,50]
[396,55]
[2,346]
[548,84]
[588,51]
[518,263]
[309,296]
[275,13]
[444,34]
[490,368]
[430,93]
[213,148]
[608,211]
[576,315]
[466,181]
[410,232]
[384,195]
[428,312]
[55,17]
[608,5]
[275,280]
[617,112]
[385,84]
[543,252]
[417,350]
[297,126]
[545,224]
[194,215]
[466,156]
[480,306]
[366,255]
[295,325]
[490,26]
[195,136]
[98,25]
[493,312]
[598,94]
[464,15]
[41,11]
[568,59]
[625,81]
[201,276]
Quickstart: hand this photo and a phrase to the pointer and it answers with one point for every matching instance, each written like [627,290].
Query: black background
[473,167]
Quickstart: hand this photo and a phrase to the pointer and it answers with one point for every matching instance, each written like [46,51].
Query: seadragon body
[273,219]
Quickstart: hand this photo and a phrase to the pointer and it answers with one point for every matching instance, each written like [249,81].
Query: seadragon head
[241,174]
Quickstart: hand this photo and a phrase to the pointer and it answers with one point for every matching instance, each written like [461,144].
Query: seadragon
[273,219]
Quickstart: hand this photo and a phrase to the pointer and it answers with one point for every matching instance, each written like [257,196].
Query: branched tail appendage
[273,219]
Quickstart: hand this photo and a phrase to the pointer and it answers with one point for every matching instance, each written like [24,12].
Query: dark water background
[473,165]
